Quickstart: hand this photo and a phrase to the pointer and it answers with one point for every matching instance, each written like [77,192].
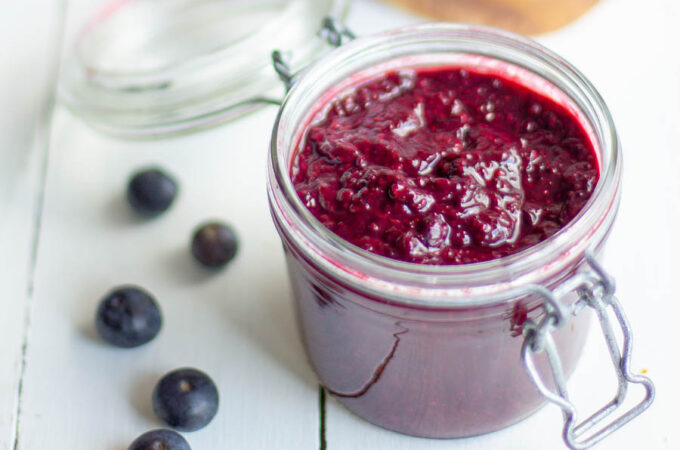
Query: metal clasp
[332,32]
[596,289]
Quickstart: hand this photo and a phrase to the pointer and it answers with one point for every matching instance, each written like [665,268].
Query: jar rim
[465,284]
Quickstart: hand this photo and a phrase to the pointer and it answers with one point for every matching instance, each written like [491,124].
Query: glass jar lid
[153,67]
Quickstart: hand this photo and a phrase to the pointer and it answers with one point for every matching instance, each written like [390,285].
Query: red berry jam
[444,166]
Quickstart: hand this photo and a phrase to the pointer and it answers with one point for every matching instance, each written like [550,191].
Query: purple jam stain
[444,166]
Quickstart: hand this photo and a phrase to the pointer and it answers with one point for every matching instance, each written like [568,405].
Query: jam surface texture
[444,166]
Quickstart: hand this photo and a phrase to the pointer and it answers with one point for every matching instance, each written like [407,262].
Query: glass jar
[451,351]
[150,68]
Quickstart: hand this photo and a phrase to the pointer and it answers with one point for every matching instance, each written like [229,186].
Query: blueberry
[214,244]
[151,191]
[185,399]
[160,440]
[128,316]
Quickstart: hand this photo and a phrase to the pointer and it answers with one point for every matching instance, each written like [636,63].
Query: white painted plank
[26,33]
[236,325]
[233,325]
[622,46]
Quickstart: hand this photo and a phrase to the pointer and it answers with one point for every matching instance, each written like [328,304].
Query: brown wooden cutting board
[521,16]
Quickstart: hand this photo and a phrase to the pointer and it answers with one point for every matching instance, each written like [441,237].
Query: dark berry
[214,244]
[151,191]
[160,440]
[185,399]
[128,316]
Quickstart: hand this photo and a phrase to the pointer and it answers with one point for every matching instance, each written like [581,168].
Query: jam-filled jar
[453,350]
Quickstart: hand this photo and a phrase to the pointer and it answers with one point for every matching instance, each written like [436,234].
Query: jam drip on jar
[444,166]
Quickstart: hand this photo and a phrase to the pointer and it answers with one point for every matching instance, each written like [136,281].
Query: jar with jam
[443,193]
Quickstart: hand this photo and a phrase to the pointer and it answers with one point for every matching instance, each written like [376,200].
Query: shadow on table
[253,295]
[119,213]
[269,320]
[140,396]
[184,270]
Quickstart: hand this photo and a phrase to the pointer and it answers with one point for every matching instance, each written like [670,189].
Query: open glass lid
[155,67]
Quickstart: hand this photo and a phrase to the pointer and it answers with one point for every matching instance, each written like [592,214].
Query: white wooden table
[66,237]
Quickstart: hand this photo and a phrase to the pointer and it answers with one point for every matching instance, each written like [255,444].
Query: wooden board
[520,16]
[78,393]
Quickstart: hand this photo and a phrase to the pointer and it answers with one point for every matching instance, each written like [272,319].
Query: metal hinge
[596,290]
[333,32]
